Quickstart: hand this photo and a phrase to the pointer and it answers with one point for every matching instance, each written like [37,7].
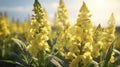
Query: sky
[99,9]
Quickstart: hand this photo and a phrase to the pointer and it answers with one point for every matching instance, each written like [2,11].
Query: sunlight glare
[101,3]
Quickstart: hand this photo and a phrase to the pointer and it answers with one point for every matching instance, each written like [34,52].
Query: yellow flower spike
[62,13]
[82,39]
[4,26]
[109,32]
[97,41]
[17,27]
[39,30]
[83,34]
[64,36]
[84,8]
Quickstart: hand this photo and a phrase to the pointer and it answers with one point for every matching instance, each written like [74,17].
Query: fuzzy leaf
[18,58]
[55,60]
[12,62]
[116,51]
[20,43]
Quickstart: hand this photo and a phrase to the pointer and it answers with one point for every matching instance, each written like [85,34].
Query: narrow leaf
[12,62]
[55,60]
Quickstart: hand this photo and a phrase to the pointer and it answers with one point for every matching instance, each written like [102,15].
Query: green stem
[44,58]
[3,49]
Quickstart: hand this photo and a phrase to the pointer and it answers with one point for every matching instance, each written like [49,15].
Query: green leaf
[12,62]
[23,57]
[116,51]
[19,59]
[20,43]
[22,47]
[56,61]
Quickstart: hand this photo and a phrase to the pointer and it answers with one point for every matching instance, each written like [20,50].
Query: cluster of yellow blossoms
[38,31]
[64,35]
[4,25]
[82,39]
[109,32]
[97,41]
[85,42]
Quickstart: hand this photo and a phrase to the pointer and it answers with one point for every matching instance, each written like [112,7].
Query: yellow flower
[88,47]
[87,57]
[44,46]
[112,59]
[70,55]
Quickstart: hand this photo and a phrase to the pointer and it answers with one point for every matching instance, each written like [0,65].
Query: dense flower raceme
[97,41]
[4,25]
[109,32]
[39,31]
[82,40]
[109,35]
[64,36]
[62,13]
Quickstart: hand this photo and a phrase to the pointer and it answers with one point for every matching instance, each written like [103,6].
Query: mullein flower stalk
[109,33]
[62,13]
[109,36]
[39,31]
[4,31]
[82,39]
[64,36]
[97,41]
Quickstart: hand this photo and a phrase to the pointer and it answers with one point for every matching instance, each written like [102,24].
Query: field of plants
[36,43]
